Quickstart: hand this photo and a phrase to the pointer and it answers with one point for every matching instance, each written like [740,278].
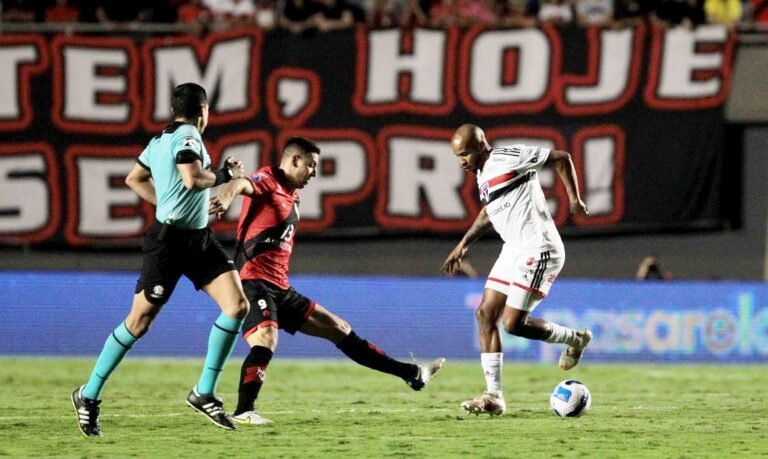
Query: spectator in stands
[266,16]
[299,16]
[124,11]
[758,13]
[651,269]
[473,12]
[232,12]
[196,14]
[444,13]
[393,13]
[726,12]
[62,11]
[630,12]
[671,13]
[558,12]
[594,12]
[337,14]
[17,11]
[516,13]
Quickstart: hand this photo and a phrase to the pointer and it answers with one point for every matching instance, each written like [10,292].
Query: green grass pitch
[338,409]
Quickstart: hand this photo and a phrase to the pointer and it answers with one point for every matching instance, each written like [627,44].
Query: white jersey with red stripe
[510,189]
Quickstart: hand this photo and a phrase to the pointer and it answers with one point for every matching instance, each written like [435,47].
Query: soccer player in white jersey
[530,259]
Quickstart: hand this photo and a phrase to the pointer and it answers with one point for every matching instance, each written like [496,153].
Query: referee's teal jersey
[183,207]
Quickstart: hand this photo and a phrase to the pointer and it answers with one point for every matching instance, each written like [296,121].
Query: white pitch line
[278,412]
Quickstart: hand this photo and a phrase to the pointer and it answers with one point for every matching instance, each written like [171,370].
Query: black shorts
[273,306]
[192,253]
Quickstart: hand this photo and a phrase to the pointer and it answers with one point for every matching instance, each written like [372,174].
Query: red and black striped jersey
[271,215]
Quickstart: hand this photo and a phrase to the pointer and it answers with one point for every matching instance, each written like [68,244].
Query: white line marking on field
[278,412]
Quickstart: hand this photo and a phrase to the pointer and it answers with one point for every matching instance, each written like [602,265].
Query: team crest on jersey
[256,178]
[484,192]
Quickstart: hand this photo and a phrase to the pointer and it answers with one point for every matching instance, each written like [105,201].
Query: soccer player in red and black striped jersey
[265,235]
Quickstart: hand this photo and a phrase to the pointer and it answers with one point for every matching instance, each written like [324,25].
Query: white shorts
[525,277]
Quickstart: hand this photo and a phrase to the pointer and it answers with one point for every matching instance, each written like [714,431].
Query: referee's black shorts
[192,253]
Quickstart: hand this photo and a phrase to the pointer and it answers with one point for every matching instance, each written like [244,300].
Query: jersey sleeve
[143,159]
[532,157]
[187,149]
[262,183]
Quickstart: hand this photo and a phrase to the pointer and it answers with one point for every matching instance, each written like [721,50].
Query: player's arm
[195,177]
[563,164]
[219,204]
[139,179]
[479,227]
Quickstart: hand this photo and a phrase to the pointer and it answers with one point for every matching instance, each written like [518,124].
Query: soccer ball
[570,399]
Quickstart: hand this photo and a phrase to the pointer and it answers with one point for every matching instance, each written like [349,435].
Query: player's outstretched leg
[212,406]
[87,412]
[425,374]
[572,354]
[485,404]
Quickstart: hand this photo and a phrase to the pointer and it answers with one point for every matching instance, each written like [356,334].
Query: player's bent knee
[485,316]
[264,336]
[241,309]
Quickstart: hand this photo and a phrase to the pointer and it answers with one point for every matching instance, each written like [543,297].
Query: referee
[173,173]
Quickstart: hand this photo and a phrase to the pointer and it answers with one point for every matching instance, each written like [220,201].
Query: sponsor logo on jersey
[500,209]
[535,157]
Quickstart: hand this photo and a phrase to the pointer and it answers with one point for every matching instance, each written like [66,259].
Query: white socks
[563,335]
[492,363]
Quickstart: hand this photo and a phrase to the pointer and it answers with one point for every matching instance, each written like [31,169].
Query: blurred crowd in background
[313,16]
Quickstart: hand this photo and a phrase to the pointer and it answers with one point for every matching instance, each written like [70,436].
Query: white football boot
[251,417]
[485,404]
[570,357]
[425,374]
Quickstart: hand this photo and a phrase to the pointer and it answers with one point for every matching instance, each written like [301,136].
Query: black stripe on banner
[502,191]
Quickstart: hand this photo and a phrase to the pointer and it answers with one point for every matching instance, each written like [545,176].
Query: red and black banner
[640,109]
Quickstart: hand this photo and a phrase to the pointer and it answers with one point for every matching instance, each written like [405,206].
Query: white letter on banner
[23,175]
[351,170]
[97,197]
[487,67]
[11,57]
[614,64]
[83,83]
[680,60]
[425,64]
[599,169]
[226,75]
[409,180]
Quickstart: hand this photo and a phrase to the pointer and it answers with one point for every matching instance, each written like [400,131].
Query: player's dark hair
[187,99]
[306,146]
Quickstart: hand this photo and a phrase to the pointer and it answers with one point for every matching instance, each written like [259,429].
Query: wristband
[223,175]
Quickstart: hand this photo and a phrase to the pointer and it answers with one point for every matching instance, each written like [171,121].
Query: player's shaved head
[470,147]
[468,137]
